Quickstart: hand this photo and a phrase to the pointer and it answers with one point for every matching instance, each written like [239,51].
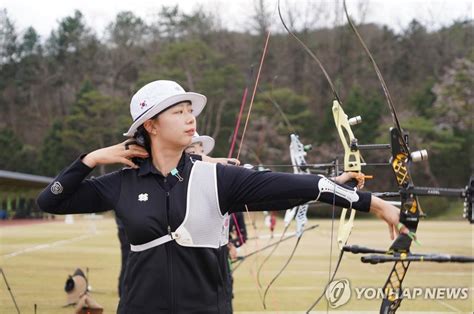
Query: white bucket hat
[155,97]
[207,142]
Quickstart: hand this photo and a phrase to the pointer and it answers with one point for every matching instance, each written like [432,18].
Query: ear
[149,126]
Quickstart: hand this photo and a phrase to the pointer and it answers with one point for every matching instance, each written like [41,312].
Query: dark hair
[142,137]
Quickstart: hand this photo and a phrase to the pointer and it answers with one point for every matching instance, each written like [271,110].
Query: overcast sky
[235,14]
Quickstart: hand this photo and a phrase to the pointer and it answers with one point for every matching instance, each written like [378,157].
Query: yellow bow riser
[352,162]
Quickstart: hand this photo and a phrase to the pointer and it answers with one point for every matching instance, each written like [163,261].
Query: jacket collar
[147,167]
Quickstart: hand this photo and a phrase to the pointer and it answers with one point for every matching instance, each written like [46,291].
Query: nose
[190,119]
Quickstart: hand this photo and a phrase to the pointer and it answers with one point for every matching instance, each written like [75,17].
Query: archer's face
[195,148]
[176,126]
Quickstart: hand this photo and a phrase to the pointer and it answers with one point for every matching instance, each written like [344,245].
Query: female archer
[175,209]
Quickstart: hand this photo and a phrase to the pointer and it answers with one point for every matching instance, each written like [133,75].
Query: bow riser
[409,216]
[352,158]
[352,162]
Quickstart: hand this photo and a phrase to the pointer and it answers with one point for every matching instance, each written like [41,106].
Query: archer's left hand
[347,176]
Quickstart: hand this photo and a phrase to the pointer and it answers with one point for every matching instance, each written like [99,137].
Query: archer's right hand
[119,153]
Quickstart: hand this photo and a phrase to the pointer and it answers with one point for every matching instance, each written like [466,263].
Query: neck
[165,159]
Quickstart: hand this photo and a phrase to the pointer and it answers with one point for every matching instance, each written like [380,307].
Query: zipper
[168,211]
[170,254]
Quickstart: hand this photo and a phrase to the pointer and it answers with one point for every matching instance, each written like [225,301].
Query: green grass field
[37,258]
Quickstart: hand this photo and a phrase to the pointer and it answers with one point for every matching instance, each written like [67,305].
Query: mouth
[190,132]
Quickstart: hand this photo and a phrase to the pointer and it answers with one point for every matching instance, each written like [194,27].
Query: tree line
[69,93]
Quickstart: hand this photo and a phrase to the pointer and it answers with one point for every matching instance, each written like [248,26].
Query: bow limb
[268,258]
[386,92]
[235,132]
[298,151]
[410,208]
[257,80]
[239,116]
[352,162]
[243,258]
[345,227]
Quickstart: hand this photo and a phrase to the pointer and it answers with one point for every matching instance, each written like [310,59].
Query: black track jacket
[171,278]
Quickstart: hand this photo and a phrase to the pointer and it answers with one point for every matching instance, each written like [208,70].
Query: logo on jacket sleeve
[56,188]
[143,197]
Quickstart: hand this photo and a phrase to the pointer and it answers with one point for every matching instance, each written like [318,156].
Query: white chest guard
[204,225]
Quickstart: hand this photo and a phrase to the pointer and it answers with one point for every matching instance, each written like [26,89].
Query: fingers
[130,149]
[129,142]
[233,161]
[129,163]
[360,177]
[136,152]
[391,215]
[391,231]
[395,231]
